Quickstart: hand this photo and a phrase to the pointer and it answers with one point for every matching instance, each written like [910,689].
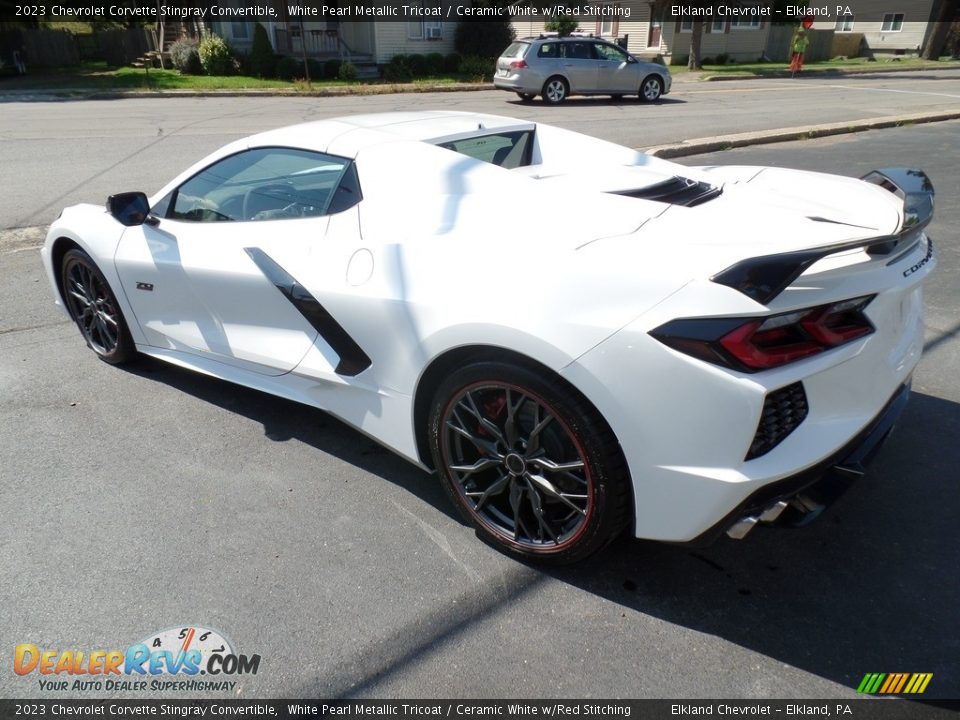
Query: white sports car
[579,338]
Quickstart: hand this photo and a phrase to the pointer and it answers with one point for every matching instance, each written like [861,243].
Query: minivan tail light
[759,343]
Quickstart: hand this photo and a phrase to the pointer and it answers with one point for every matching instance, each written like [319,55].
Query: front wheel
[528,462]
[94,308]
[651,89]
[555,90]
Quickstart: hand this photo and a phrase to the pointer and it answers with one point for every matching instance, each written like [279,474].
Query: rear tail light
[752,344]
[518,64]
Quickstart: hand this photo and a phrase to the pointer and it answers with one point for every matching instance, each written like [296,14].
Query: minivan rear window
[516,50]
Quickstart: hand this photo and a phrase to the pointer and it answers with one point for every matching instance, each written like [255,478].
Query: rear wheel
[528,462]
[651,89]
[555,90]
[94,308]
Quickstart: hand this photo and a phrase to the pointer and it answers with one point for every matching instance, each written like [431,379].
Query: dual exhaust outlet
[803,509]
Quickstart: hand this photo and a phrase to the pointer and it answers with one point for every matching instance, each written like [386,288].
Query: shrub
[451,63]
[289,68]
[434,64]
[331,69]
[397,69]
[476,68]
[708,61]
[722,58]
[417,64]
[185,57]
[348,72]
[263,61]
[315,67]
[215,55]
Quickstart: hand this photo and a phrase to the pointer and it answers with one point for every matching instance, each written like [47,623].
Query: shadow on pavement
[872,586]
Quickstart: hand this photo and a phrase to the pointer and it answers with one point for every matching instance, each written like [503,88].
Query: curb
[827,73]
[807,132]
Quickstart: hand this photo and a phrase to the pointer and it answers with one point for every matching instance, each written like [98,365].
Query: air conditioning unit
[434,32]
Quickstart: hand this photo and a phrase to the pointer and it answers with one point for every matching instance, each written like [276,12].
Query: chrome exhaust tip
[740,529]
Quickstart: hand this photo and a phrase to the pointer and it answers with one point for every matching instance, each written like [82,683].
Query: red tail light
[752,344]
[518,64]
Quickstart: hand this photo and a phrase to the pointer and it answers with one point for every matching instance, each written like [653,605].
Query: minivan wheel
[555,90]
[651,89]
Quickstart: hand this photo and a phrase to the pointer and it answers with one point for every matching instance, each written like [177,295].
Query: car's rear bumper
[800,498]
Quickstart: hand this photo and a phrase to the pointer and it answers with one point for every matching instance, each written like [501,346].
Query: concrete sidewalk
[805,132]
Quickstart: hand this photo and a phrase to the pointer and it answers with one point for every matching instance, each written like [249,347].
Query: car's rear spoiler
[764,277]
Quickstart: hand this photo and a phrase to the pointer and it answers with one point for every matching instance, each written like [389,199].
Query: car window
[263,184]
[507,150]
[516,50]
[578,50]
[549,50]
[609,52]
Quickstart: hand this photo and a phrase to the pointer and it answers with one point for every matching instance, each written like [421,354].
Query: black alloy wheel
[528,462]
[94,308]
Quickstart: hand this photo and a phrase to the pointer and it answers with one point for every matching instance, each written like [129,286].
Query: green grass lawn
[97,76]
[848,65]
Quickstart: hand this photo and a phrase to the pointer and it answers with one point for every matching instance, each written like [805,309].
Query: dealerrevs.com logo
[171,659]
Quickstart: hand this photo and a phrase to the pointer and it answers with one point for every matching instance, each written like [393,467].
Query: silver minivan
[557,67]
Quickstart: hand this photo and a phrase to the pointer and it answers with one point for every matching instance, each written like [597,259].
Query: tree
[937,39]
[263,61]
[486,38]
[562,23]
[696,40]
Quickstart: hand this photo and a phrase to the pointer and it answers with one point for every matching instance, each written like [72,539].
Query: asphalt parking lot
[137,499]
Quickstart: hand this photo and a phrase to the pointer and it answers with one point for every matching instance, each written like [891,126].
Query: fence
[122,47]
[40,48]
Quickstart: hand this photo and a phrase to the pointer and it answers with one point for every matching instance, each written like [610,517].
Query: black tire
[526,97]
[651,88]
[534,469]
[555,90]
[94,308]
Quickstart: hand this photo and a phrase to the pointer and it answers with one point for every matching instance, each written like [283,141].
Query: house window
[844,25]
[239,30]
[892,22]
[718,26]
[753,24]
[425,29]
[686,26]
[609,24]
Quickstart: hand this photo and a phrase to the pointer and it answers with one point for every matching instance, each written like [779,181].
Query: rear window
[516,50]
[507,150]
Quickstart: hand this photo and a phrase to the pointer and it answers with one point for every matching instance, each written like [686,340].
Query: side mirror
[631,60]
[131,208]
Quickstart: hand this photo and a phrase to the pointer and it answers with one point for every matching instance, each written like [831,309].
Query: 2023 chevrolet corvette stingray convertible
[580,339]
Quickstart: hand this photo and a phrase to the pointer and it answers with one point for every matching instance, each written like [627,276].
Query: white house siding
[394,38]
[868,20]
[741,44]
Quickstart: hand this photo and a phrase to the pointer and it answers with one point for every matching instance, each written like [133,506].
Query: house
[651,31]
[882,27]
[360,41]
